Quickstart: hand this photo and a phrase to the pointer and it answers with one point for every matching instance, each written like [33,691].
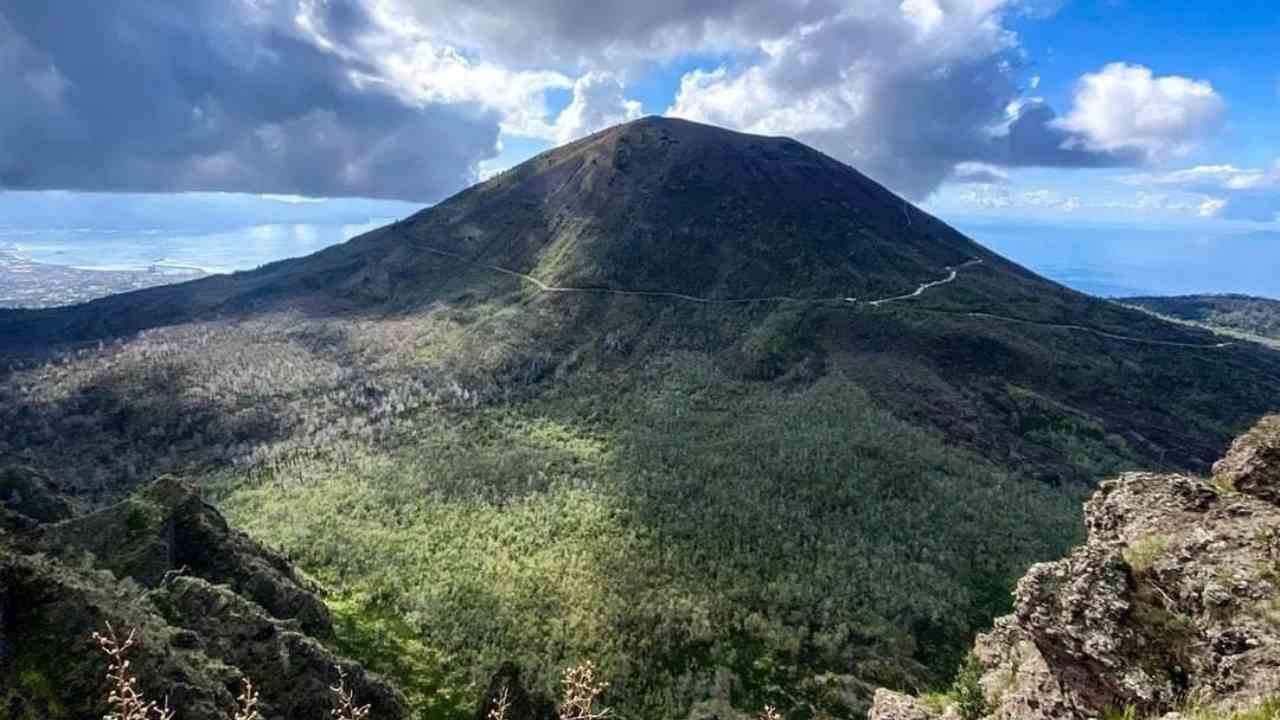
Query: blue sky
[1032,114]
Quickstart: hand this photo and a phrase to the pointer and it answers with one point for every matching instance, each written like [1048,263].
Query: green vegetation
[1143,553]
[967,691]
[386,643]
[1128,712]
[572,528]
[1248,317]
[705,510]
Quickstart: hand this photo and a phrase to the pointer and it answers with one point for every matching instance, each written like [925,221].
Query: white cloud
[926,15]
[999,196]
[1126,106]
[914,92]
[423,69]
[1226,191]
[1142,203]
[421,66]
[907,91]
[598,102]
[978,172]
[988,196]
[903,90]
[1211,207]
[1224,177]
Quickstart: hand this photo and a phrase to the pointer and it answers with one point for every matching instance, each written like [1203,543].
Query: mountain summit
[657,206]
[661,204]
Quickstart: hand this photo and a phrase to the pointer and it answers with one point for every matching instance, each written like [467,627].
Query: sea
[1107,261]
[211,252]
[1122,261]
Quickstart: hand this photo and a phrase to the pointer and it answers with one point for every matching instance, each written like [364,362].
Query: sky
[990,113]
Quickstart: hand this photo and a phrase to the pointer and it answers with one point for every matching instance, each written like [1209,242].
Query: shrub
[970,698]
[1143,553]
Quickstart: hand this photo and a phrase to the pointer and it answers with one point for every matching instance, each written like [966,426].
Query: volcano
[714,409]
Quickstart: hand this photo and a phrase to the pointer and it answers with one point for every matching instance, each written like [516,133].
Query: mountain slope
[708,408]
[656,205]
[1253,316]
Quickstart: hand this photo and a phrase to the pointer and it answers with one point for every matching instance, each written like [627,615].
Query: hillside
[208,607]
[1170,610]
[1255,316]
[710,409]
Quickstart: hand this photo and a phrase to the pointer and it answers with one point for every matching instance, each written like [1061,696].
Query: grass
[1145,552]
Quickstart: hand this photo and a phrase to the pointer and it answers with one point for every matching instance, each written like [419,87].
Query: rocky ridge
[1171,609]
[209,607]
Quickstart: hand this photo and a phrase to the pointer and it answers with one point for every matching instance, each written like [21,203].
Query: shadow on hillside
[120,429]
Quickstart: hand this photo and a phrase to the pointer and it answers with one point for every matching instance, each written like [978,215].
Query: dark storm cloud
[569,32]
[233,95]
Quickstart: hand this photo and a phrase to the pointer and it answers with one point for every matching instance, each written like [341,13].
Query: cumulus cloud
[412,61]
[906,91]
[1126,106]
[598,102]
[1224,191]
[220,95]
[409,98]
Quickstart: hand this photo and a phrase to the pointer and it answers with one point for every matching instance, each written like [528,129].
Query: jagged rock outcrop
[1253,465]
[166,529]
[1173,600]
[208,605]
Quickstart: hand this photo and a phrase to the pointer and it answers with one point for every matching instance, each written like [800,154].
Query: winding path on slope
[952,274]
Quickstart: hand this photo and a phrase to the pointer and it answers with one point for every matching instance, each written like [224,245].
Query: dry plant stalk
[770,713]
[126,701]
[247,702]
[346,708]
[580,693]
[499,710]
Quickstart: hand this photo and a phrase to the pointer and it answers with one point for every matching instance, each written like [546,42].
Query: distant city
[28,284]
